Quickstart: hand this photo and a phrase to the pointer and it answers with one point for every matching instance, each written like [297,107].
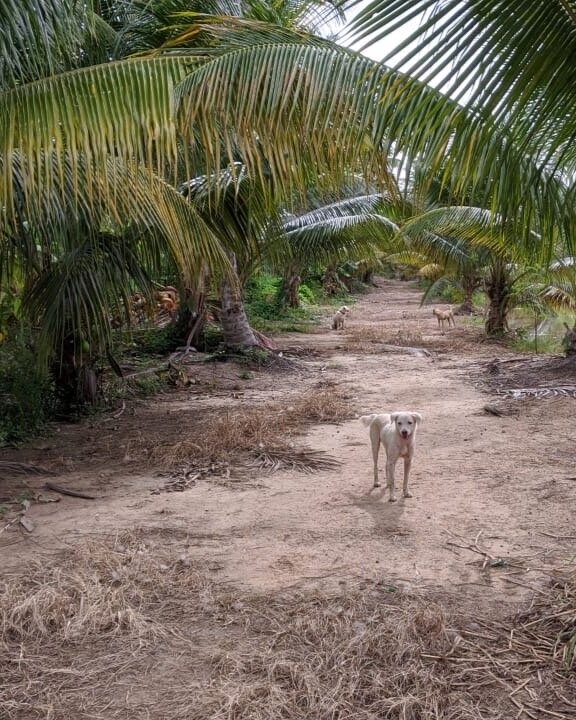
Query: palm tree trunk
[195,315]
[498,291]
[331,283]
[235,326]
[290,290]
[469,286]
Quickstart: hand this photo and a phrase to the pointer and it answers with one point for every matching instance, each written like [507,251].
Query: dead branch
[68,491]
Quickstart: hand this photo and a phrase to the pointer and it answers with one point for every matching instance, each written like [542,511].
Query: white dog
[397,432]
[338,319]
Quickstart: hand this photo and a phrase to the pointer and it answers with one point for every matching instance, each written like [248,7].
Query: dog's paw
[408,494]
[376,485]
[393,499]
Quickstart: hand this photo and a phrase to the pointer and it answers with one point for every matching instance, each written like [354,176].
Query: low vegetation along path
[211,576]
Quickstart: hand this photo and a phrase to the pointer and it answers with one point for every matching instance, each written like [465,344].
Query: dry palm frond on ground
[540,392]
[128,627]
[269,427]
[297,459]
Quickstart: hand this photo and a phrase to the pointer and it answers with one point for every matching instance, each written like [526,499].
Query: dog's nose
[404,433]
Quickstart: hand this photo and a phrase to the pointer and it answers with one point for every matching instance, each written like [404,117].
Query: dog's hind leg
[407,464]
[375,440]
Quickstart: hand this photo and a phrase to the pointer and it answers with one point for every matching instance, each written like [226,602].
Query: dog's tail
[367,419]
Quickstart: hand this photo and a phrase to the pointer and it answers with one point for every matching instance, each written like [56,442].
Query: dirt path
[504,485]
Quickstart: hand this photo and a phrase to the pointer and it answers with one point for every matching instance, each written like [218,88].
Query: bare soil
[494,478]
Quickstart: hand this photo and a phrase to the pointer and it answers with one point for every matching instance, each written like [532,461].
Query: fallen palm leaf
[540,392]
[301,460]
[18,468]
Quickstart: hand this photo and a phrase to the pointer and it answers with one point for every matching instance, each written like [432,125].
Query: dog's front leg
[407,464]
[390,480]
[375,442]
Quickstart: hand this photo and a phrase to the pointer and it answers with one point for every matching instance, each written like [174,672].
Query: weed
[26,392]
[24,497]
[524,342]
[146,385]
[255,356]
[154,341]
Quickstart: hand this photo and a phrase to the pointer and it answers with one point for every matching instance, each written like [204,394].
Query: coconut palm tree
[463,241]
[258,235]
[91,207]
[297,110]
[357,228]
[80,231]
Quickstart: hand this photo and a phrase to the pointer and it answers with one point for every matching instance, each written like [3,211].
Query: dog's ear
[417,417]
[394,416]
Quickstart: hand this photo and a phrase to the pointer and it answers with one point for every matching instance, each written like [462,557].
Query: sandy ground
[492,511]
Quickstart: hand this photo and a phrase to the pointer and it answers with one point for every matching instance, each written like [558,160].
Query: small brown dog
[444,316]
[338,319]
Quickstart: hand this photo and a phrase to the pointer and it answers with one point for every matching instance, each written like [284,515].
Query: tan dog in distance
[338,319]
[397,432]
[444,316]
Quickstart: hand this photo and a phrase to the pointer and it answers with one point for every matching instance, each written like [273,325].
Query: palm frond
[83,114]
[40,38]
[357,206]
[121,195]
[349,228]
[288,108]
[437,287]
[145,25]
[237,209]
[559,297]
[431,271]
[283,116]
[96,251]
[455,232]
[303,460]
[514,60]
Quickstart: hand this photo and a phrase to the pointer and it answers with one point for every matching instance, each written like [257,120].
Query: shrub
[262,296]
[156,341]
[26,392]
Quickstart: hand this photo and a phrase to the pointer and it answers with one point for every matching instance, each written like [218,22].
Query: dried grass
[369,339]
[372,339]
[224,436]
[71,627]
[132,628]
[342,657]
